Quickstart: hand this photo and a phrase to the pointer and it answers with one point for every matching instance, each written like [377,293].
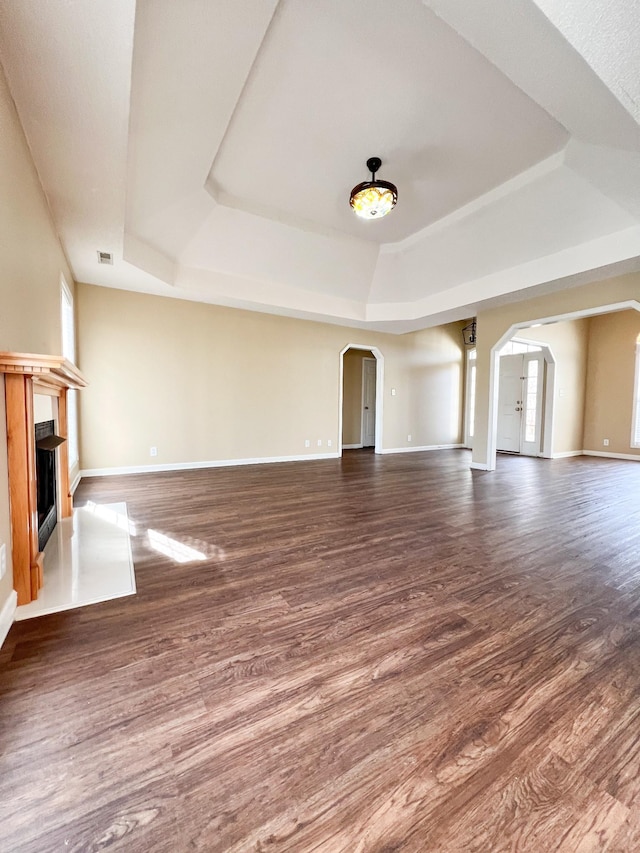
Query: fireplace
[46,443]
[26,374]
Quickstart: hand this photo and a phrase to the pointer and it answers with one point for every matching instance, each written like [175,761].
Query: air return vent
[105,258]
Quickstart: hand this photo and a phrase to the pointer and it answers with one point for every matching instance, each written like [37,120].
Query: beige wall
[569,343]
[611,369]
[204,383]
[494,323]
[435,379]
[352,396]
[31,262]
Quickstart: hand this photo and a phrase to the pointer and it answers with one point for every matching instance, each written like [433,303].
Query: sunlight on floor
[86,560]
[173,549]
[112,515]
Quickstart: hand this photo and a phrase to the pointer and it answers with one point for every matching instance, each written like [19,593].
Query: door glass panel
[531,401]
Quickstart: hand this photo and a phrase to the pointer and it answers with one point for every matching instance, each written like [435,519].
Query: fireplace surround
[26,374]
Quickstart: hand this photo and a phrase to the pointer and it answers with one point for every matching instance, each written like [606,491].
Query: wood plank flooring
[379,653]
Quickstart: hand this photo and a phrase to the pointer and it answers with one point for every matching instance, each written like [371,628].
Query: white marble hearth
[86,560]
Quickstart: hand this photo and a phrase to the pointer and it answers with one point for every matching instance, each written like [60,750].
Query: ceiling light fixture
[373,199]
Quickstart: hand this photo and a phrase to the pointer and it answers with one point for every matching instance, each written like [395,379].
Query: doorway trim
[379,392]
[494,368]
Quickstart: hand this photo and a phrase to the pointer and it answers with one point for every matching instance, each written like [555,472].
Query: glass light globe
[372,202]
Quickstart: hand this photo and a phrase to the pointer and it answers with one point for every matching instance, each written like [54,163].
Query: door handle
[366,407]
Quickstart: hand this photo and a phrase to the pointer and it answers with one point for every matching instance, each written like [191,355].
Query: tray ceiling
[211,147]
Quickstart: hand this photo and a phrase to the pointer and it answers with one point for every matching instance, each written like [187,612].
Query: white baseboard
[189,466]
[567,453]
[630,456]
[421,449]
[7,615]
[75,482]
[479,466]
[352,446]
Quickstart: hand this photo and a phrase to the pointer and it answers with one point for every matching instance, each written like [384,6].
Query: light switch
[3,560]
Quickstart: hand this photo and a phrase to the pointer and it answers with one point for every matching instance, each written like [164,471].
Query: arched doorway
[494,370]
[361,378]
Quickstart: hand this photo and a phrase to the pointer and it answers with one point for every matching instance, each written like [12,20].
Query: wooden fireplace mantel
[24,374]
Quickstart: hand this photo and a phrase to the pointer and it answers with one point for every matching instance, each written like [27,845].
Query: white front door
[368,402]
[520,403]
[510,403]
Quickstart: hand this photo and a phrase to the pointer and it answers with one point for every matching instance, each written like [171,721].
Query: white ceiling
[211,146]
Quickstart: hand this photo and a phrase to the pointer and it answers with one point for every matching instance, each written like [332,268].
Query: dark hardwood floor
[380,653]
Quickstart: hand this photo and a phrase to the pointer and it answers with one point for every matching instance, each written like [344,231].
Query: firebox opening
[46,442]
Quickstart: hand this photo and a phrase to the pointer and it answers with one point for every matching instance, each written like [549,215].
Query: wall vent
[105,258]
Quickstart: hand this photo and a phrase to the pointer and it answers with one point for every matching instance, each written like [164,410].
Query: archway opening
[494,373]
[361,398]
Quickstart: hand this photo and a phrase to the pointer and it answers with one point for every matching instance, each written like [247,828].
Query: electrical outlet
[319,442]
[153,451]
[3,560]
[329,442]
[307,443]
[393,392]
[409,437]
[606,442]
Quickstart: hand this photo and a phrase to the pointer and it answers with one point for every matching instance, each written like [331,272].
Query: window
[531,392]
[470,407]
[68,323]
[67,318]
[635,424]
[518,348]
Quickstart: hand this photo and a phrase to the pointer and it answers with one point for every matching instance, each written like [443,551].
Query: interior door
[368,402]
[510,403]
